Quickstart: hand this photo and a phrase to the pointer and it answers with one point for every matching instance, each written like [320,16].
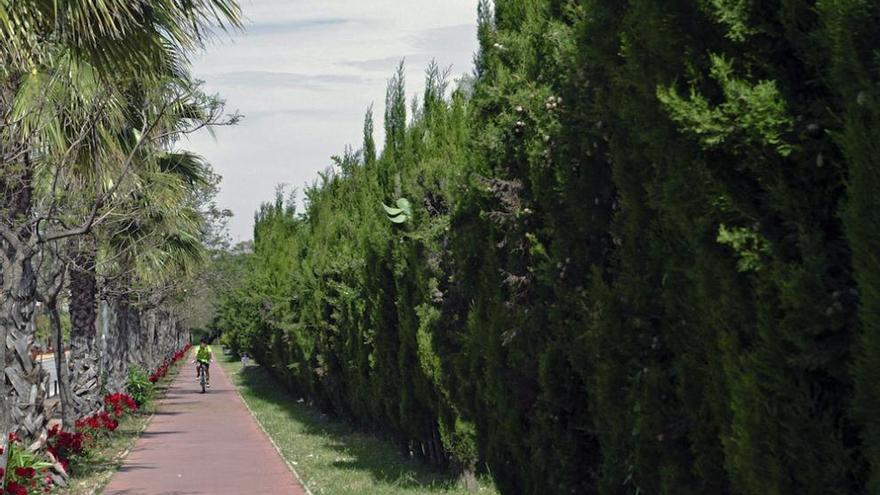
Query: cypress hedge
[635,252]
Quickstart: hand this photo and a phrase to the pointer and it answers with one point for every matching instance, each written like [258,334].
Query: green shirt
[204,353]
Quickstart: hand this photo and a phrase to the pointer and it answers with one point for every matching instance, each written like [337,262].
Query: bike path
[203,444]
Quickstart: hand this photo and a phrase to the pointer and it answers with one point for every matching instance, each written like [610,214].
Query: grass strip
[330,455]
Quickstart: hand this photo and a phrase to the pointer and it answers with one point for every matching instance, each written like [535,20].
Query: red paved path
[203,444]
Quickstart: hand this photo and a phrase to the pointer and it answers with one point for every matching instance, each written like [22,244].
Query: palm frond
[118,36]
[188,166]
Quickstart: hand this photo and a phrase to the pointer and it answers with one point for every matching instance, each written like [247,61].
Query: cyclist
[206,357]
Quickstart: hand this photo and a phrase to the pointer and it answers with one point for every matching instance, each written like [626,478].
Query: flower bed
[120,404]
[162,370]
[26,473]
[64,447]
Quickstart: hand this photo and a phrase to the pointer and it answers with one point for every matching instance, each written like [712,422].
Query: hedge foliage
[641,255]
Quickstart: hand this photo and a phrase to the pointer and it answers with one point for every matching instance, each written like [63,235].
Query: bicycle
[203,368]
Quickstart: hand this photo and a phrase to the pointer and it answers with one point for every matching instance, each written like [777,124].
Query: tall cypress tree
[369,142]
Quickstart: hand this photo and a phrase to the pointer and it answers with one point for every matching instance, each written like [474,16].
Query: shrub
[140,386]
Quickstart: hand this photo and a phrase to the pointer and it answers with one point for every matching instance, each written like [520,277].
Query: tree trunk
[135,331]
[68,418]
[469,479]
[115,359]
[85,375]
[24,408]
[23,391]
[150,326]
[7,310]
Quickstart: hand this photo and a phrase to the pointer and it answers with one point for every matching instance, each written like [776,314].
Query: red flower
[25,472]
[13,437]
[2,473]
[119,402]
[63,445]
[13,488]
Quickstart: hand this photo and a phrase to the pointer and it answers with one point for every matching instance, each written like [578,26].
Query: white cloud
[303,74]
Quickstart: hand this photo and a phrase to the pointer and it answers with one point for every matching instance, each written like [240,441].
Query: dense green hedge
[642,255]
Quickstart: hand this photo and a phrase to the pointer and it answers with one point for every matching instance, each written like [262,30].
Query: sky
[303,73]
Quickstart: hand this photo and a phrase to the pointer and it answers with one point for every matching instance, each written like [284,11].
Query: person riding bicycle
[204,356]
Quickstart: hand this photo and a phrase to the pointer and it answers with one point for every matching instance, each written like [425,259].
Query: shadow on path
[148,434]
[135,467]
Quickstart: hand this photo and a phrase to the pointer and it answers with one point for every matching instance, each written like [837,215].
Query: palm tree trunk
[115,360]
[85,373]
[14,315]
[6,308]
[25,400]
[23,391]
[135,338]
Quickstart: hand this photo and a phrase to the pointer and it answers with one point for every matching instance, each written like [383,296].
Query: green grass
[330,455]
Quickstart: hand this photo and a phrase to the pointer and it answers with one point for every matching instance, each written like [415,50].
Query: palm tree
[155,253]
[161,184]
[114,42]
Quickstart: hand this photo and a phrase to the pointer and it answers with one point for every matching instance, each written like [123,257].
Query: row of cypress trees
[640,254]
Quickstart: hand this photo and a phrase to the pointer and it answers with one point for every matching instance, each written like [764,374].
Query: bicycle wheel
[202,378]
